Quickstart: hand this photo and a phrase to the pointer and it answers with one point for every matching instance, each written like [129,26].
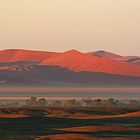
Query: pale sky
[60,25]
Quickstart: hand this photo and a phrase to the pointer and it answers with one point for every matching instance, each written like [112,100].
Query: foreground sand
[81,137]
[48,123]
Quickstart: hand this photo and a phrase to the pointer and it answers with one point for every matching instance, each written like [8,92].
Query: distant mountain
[113,56]
[23,67]
[106,54]
[136,62]
[127,58]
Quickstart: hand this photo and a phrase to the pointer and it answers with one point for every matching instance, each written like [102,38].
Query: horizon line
[65,51]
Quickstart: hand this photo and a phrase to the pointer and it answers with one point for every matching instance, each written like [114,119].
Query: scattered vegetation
[85,102]
[70,119]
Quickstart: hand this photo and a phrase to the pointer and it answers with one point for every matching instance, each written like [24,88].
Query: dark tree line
[85,102]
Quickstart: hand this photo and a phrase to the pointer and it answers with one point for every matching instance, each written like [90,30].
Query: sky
[61,25]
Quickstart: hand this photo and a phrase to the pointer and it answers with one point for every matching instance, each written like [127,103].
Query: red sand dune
[13,55]
[72,60]
[103,128]
[80,137]
[66,137]
[78,61]
[63,114]
[133,114]
[13,115]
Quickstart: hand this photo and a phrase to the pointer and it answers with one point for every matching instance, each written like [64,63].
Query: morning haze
[59,25]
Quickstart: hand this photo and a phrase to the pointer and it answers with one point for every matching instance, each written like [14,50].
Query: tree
[32,101]
[112,102]
[134,103]
[57,103]
[98,102]
[12,104]
[70,103]
[88,102]
[42,102]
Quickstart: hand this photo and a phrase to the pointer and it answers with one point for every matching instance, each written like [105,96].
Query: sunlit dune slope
[14,55]
[80,137]
[133,114]
[103,128]
[78,61]
[73,60]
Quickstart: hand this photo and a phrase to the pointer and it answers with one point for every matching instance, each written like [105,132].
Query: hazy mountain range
[70,68]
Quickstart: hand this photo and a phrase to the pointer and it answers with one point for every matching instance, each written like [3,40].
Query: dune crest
[73,60]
